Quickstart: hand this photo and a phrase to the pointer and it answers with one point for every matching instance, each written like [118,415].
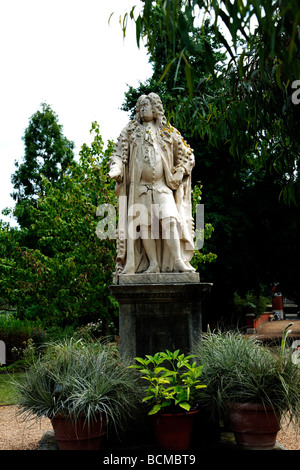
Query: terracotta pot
[173,431]
[251,321]
[255,427]
[79,434]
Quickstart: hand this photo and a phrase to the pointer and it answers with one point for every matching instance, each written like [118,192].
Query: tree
[48,153]
[255,110]
[65,278]
[274,21]
[240,198]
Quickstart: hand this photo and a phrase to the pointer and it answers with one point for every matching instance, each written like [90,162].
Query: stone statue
[152,166]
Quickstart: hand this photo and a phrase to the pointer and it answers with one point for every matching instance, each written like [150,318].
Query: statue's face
[146,111]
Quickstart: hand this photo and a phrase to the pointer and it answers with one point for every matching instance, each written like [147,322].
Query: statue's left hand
[178,175]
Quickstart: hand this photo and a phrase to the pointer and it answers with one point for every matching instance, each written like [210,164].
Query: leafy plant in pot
[251,385]
[172,395]
[83,388]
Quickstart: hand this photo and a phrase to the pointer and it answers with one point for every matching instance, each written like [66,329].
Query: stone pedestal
[158,312]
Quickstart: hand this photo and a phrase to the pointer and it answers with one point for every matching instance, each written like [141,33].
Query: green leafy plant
[15,333]
[251,303]
[240,369]
[174,383]
[75,377]
[60,277]
[95,330]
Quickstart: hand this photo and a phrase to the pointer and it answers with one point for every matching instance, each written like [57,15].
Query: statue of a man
[152,166]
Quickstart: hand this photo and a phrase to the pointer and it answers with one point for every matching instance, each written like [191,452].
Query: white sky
[64,53]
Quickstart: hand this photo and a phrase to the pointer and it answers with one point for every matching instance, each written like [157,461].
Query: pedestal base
[157,278]
[155,315]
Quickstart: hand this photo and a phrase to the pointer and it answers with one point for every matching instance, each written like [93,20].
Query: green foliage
[7,389]
[95,330]
[275,22]
[23,357]
[10,324]
[48,154]
[15,333]
[203,256]
[174,381]
[65,278]
[23,338]
[253,112]
[74,377]
[240,369]
[251,303]
[171,86]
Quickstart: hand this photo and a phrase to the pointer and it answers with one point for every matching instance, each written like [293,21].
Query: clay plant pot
[173,431]
[79,434]
[254,426]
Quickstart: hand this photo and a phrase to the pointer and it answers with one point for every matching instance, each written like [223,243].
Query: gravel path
[15,434]
[289,438]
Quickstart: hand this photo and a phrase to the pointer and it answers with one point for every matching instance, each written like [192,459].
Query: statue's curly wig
[157,107]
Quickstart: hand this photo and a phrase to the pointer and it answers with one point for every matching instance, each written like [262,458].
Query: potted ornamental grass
[83,387]
[249,385]
[172,395]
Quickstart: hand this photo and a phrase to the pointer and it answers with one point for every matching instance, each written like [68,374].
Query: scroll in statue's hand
[178,175]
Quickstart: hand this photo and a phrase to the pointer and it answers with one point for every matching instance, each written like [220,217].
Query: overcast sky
[64,53]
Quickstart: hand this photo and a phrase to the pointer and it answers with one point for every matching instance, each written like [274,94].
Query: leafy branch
[172,386]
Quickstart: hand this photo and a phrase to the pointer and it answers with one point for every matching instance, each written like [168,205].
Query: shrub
[96,330]
[251,303]
[240,369]
[74,376]
[15,333]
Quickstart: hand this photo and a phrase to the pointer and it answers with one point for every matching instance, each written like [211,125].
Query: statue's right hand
[115,173]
